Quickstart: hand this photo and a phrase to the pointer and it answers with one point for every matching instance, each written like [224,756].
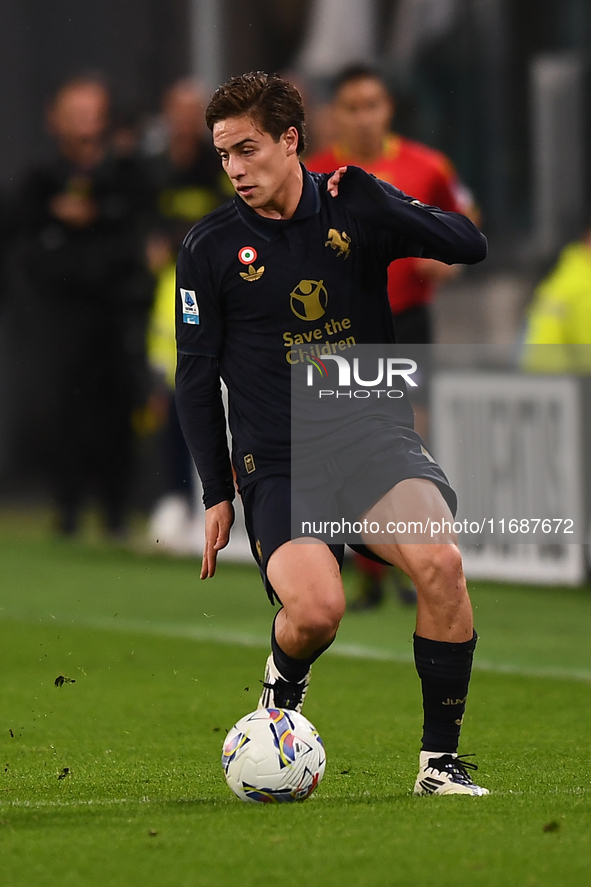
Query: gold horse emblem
[339,241]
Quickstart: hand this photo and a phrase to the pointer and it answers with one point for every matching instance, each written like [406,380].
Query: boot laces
[285,694]
[456,767]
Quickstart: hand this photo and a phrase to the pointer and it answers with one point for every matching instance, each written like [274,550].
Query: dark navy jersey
[256,295]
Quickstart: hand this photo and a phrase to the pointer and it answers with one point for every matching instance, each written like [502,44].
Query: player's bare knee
[319,623]
[327,618]
[330,617]
[444,563]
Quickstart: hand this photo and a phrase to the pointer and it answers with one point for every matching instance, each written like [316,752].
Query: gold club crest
[309,299]
[339,241]
[252,273]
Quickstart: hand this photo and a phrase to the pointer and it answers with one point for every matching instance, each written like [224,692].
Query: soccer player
[256,277]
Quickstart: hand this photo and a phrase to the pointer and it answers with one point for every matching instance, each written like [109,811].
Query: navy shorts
[268,502]
[267,515]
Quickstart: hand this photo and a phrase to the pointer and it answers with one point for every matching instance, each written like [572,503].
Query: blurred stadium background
[503,88]
[115,777]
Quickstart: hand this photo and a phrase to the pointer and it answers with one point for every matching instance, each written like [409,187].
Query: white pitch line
[244,639]
[91,802]
[119,802]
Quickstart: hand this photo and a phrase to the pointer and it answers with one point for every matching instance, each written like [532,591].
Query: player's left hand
[333,183]
[218,522]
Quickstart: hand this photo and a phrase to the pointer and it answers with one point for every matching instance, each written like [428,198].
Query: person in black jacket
[188,184]
[82,220]
[289,278]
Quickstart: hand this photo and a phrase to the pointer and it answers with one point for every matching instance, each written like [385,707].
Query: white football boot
[445,774]
[279,693]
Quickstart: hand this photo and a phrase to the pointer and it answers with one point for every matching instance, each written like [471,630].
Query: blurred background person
[80,249]
[189,183]
[560,314]
[362,112]
[125,133]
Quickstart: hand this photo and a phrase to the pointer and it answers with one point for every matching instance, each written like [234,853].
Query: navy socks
[293,670]
[444,670]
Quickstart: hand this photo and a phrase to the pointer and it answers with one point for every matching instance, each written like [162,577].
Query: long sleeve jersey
[256,296]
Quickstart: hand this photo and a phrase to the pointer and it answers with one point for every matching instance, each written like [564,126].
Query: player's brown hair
[272,102]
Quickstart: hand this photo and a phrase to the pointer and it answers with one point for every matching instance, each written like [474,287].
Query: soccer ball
[272,756]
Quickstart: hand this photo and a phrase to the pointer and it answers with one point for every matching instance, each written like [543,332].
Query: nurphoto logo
[388,371]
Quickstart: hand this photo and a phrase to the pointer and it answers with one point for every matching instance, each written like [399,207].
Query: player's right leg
[305,578]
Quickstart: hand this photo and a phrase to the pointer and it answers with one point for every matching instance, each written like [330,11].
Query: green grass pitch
[114,778]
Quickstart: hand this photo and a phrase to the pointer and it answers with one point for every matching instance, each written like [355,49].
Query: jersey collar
[308,206]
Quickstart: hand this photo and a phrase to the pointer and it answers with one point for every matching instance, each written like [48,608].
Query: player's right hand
[332,186]
[218,522]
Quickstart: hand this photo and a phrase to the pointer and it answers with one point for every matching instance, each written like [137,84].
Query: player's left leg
[444,641]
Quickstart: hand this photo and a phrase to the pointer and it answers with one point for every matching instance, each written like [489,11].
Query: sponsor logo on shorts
[427,454]
[249,463]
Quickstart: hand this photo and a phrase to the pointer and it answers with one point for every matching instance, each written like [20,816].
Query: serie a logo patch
[190,306]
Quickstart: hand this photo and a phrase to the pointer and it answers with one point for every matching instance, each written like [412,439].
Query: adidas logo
[429,784]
